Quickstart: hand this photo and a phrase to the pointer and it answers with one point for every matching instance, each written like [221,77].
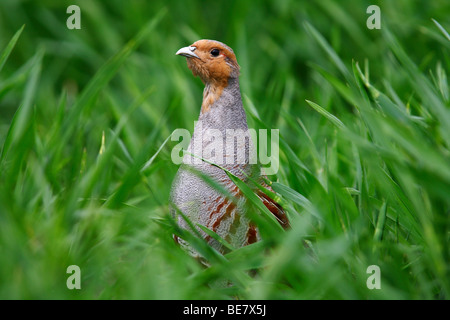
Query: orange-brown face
[213,61]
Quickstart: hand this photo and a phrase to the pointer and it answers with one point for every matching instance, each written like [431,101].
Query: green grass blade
[216,237]
[23,114]
[441,28]
[328,49]
[338,123]
[380,223]
[7,51]
[292,195]
[255,200]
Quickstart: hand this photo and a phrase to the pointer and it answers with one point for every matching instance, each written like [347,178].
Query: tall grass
[85,169]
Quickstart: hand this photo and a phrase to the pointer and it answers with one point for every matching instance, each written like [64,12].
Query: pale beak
[188,52]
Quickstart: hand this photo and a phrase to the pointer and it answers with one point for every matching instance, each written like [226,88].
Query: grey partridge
[221,114]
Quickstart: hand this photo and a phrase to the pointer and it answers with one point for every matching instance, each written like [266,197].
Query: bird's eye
[215,52]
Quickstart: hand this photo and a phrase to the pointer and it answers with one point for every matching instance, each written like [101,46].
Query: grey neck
[226,112]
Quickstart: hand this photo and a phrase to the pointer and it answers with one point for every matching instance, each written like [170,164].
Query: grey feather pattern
[195,197]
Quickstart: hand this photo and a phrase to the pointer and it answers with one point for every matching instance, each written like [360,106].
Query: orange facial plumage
[215,63]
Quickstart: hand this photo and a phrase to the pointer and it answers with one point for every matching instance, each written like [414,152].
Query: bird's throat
[211,94]
[215,90]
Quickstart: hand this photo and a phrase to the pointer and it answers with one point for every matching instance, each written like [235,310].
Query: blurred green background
[85,169]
